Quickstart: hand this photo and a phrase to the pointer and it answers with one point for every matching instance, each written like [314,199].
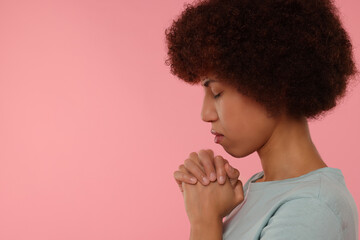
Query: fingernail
[212,176]
[221,179]
[205,180]
[193,180]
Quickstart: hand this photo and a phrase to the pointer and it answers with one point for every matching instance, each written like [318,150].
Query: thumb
[233,182]
[233,173]
[239,192]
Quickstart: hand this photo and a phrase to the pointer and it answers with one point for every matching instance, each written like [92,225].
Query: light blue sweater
[314,206]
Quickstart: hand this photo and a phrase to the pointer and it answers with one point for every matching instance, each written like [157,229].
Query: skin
[207,205]
[282,143]
[203,166]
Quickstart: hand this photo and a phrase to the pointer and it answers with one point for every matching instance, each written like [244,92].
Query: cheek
[248,129]
[247,138]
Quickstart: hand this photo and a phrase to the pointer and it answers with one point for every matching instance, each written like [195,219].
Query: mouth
[216,133]
[218,138]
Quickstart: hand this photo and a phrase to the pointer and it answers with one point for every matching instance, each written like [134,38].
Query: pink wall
[92,123]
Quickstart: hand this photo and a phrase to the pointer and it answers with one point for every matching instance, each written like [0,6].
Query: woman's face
[243,122]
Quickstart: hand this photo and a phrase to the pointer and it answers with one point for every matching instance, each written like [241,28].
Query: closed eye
[218,95]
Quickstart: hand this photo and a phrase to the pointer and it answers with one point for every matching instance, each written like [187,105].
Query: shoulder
[335,194]
[305,218]
[320,207]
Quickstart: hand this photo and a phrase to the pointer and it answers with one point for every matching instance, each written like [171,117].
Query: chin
[238,153]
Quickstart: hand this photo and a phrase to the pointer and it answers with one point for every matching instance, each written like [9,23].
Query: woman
[267,66]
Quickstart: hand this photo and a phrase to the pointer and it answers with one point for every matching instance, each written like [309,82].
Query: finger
[178,175]
[195,170]
[207,160]
[220,169]
[233,182]
[178,182]
[239,192]
[233,173]
[182,175]
[195,158]
[187,176]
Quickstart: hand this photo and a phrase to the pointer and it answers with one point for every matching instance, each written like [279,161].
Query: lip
[216,133]
[218,138]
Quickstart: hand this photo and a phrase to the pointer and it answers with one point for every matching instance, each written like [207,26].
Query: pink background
[93,125]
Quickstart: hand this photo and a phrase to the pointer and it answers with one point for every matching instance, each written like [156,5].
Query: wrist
[207,228]
[205,221]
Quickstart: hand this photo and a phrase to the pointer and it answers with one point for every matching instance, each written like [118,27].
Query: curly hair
[288,55]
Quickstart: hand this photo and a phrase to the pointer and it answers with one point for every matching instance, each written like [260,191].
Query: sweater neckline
[260,185]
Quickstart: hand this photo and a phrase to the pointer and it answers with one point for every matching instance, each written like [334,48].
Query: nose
[208,111]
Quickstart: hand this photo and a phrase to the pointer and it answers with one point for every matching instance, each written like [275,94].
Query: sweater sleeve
[303,219]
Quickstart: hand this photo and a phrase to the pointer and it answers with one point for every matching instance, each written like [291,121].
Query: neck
[289,152]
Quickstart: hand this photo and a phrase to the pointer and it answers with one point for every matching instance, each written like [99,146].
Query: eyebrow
[207,82]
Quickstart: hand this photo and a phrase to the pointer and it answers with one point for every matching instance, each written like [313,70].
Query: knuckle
[187,162]
[177,175]
[182,168]
[193,155]
[202,151]
[206,152]
[219,159]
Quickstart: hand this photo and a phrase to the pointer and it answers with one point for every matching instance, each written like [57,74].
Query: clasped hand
[211,195]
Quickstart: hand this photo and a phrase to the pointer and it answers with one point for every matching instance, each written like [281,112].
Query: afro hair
[288,55]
